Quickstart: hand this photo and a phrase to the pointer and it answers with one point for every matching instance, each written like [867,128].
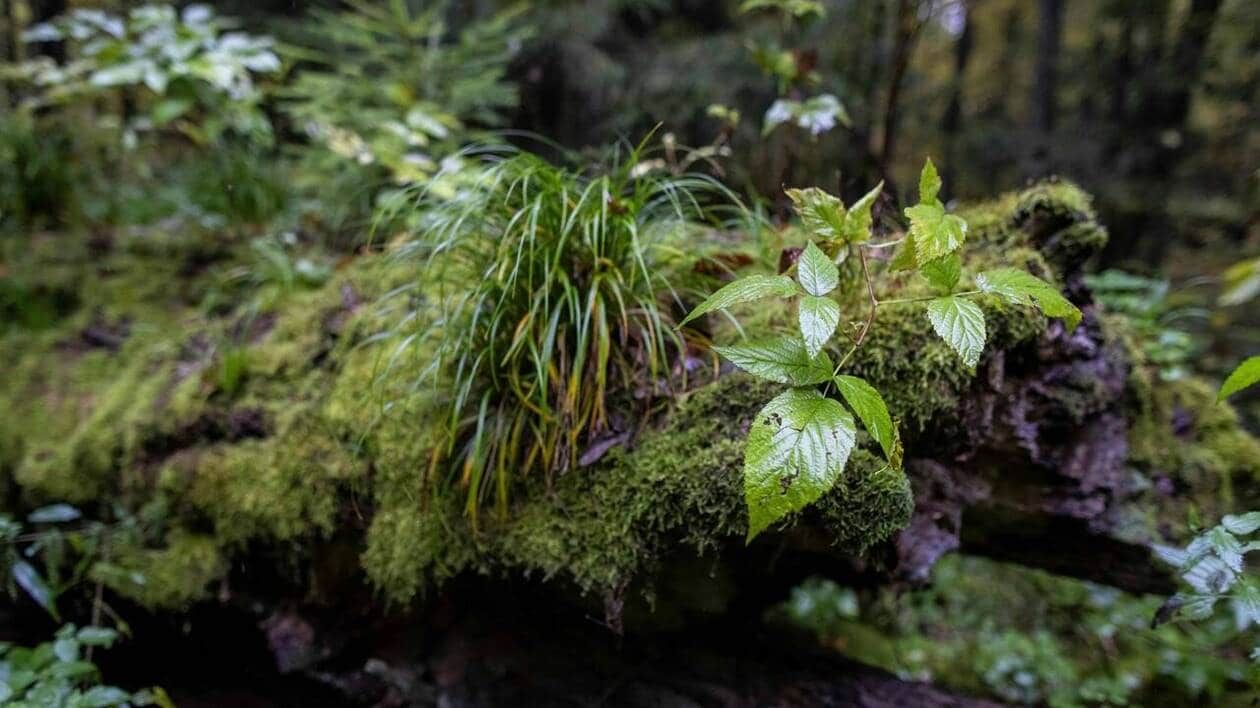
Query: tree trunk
[951,123]
[1045,82]
[905,33]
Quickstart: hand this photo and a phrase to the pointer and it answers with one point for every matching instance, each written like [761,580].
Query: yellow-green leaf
[1247,374]
[821,213]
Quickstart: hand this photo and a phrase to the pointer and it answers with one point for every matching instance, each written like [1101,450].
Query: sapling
[799,443]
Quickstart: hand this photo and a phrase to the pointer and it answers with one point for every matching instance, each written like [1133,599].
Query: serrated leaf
[1197,607]
[819,317]
[1241,524]
[746,289]
[1210,575]
[943,273]
[857,221]
[1022,288]
[961,324]
[797,449]
[1247,374]
[821,213]
[782,359]
[905,259]
[929,183]
[29,579]
[815,271]
[871,410]
[1246,604]
[936,233]
[1227,547]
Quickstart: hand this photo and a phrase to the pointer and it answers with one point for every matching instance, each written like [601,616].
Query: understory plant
[61,673]
[800,441]
[544,314]
[389,91]
[1213,569]
[186,71]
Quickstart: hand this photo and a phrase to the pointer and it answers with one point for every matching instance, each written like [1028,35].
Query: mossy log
[257,439]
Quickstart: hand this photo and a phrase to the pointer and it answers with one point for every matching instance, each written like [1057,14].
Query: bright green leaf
[796,451]
[746,289]
[1247,374]
[961,324]
[815,271]
[943,273]
[821,213]
[819,317]
[929,183]
[869,406]
[1022,288]
[936,233]
[782,359]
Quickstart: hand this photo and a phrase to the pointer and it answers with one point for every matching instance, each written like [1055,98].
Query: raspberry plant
[799,443]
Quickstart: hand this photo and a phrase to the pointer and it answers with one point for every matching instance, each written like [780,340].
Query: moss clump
[281,487]
[1182,432]
[172,577]
[681,486]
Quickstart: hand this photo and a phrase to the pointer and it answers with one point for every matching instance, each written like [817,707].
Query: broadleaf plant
[799,443]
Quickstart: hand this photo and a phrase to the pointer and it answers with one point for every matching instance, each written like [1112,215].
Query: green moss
[172,577]
[1179,430]
[282,487]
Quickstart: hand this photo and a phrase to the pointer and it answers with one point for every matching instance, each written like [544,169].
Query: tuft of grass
[546,295]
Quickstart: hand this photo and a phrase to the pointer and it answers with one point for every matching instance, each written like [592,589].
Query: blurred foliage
[1031,638]
[60,674]
[391,90]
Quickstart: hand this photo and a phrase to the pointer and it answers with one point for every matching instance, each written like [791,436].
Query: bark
[1045,83]
[905,35]
[951,123]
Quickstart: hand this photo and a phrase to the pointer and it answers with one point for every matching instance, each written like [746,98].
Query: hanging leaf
[746,289]
[782,359]
[819,317]
[871,410]
[1022,288]
[29,579]
[797,449]
[961,324]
